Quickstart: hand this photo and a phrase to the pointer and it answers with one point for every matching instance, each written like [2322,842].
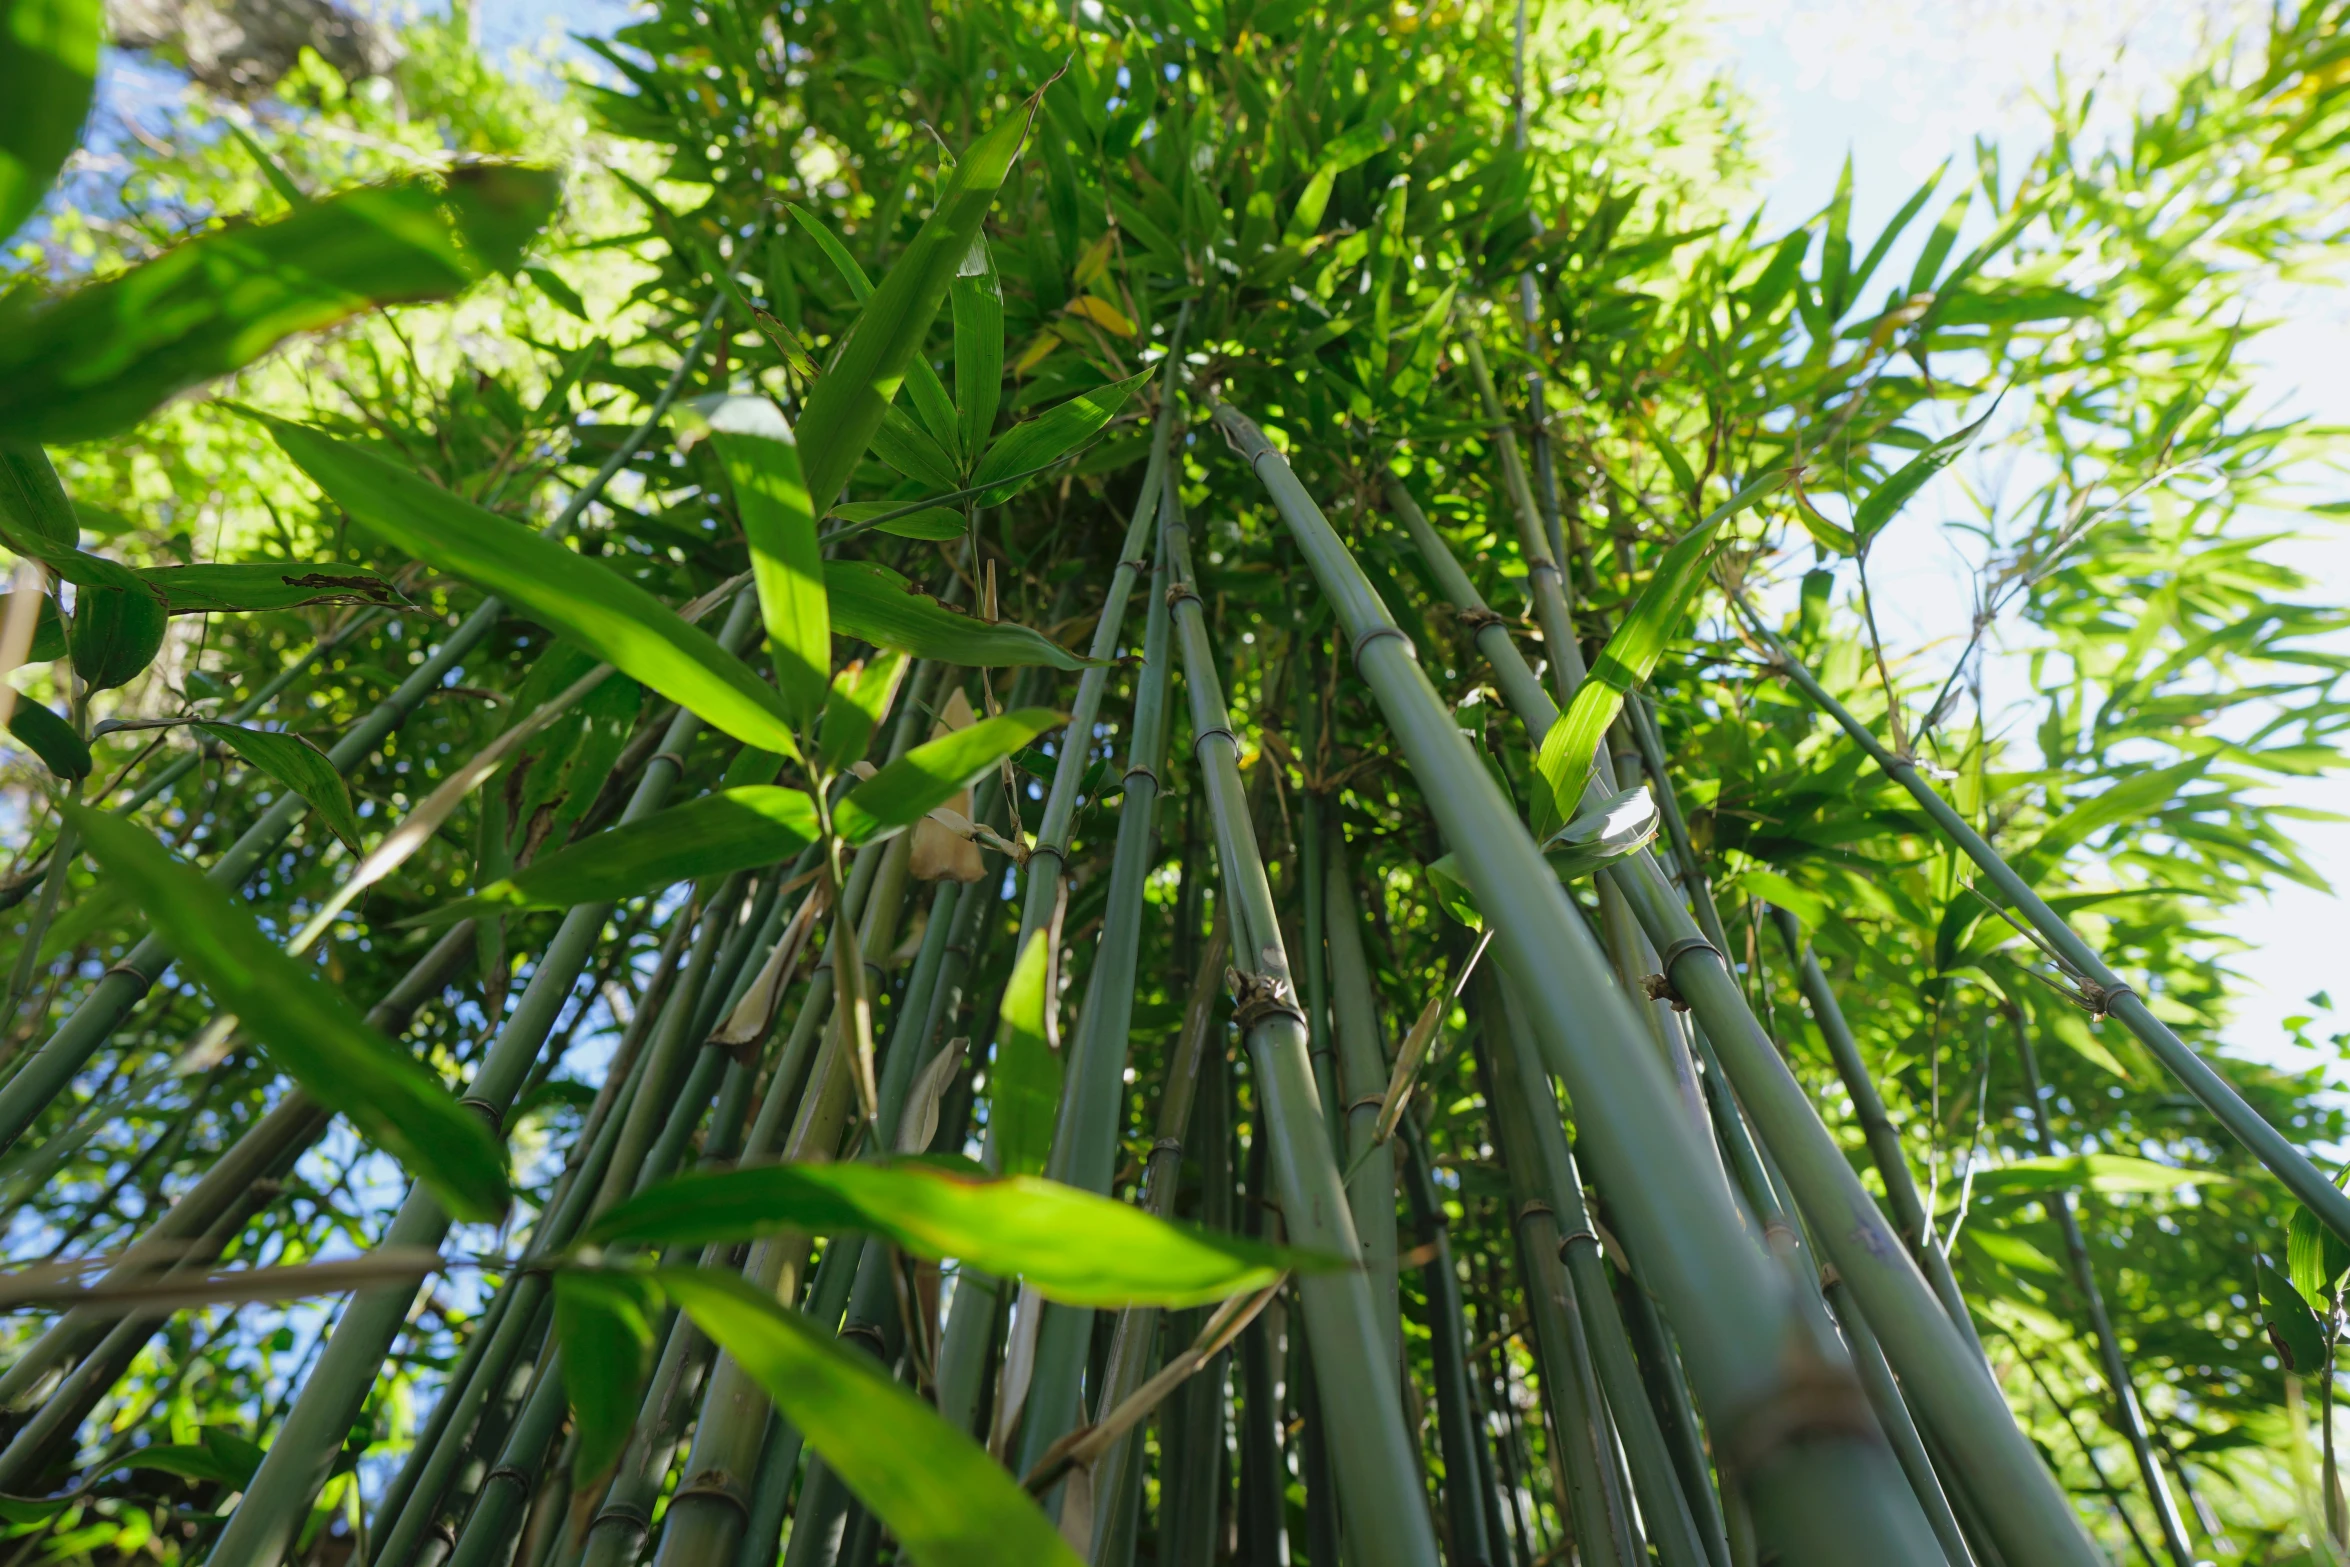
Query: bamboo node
[1177,592]
[489,1112]
[1374,634]
[1812,1399]
[2102,997]
[673,758]
[146,982]
[1478,619]
[1257,997]
[1656,987]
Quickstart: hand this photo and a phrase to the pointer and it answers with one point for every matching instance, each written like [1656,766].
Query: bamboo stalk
[1386,1516]
[1093,1098]
[1362,1084]
[1742,1340]
[2127,1414]
[2100,986]
[1884,1142]
[1456,1430]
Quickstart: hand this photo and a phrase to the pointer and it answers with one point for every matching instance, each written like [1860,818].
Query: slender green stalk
[1448,1333]
[1670,1512]
[1093,1098]
[2127,1414]
[1868,1107]
[1580,1414]
[1371,1454]
[1770,1399]
[51,1069]
[1362,1085]
[1900,1430]
[1945,1377]
[2099,985]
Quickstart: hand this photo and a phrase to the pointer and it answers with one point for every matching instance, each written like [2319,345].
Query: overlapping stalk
[1742,1358]
[1371,1456]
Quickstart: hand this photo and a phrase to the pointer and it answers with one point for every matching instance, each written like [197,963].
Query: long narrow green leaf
[240,588]
[847,404]
[1025,1082]
[50,738]
[308,1030]
[732,830]
[1566,758]
[611,617]
[936,1490]
[860,695]
[1887,499]
[979,347]
[48,73]
[1071,1244]
[301,767]
[876,605]
[1049,437]
[604,1322]
[936,432]
[97,360]
[762,460]
[931,774]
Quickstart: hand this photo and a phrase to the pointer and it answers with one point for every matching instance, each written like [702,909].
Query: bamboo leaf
[605,1323]
[931,774]
[931,1486]
[613,618]
[116,633]
[892,517]
[1048,438]
[50,738]
[854,705]
[762,460]
[1621,824]
[918,1122]
[1024,1082]
[48,73]
[1885,501]
[36,518]
[2315,1257]
[2293,1329]
[98,359]
[308,1030]
[241,588]
[1568,749]
[301,767]
[1451,891]
[979,347]
[1071,1244]
[874,604]
[732,830]
[847,404]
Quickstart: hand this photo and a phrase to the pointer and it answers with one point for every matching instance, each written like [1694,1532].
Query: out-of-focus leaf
[876,605]
[48,629]
[301,767]
[1072,1245]
[48,72]
[100,358]
[605,1322]
[928,776]
[260,585]
[50,738]
[596,607]
[732,830]
[2315,1258]
[1451,890]
[1009,464]
[893,517]
[1619,825]
[1024,1083]
[308,1030]
[937,1492]
[2293,1329]
[2102,1172]
[36,518]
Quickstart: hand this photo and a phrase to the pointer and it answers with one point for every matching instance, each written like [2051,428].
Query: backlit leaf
[301,767]
[874,604]
[932,773]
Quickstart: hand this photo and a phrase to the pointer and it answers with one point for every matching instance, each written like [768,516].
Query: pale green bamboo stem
[1900,1430]
[1744,1345]
[2103,988]
[1456,1430]
[1378,1482]
[1093,1100]
[1868,1106]
[1597,1516]
[1943,1375]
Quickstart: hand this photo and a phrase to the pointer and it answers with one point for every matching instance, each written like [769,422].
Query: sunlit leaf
[876,605]
[932,773]
[301,767]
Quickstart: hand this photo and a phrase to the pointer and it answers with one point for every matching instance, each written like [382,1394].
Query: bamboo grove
[1117,785]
